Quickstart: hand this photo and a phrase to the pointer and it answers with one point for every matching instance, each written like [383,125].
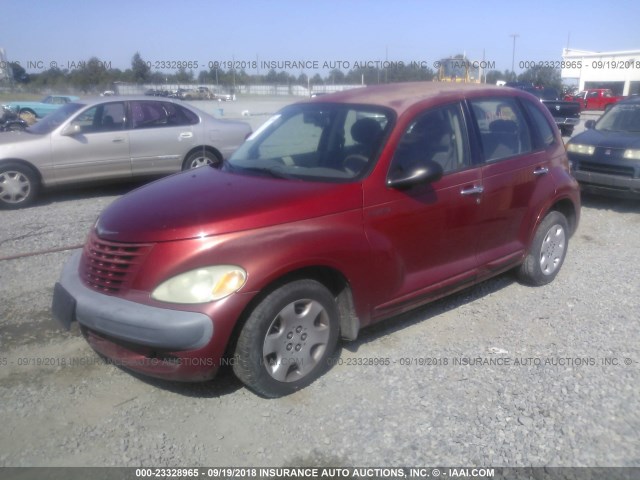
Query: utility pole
[513,55]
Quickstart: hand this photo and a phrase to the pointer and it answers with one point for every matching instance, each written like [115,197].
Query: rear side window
[503,128]
[148,114]
[541,123]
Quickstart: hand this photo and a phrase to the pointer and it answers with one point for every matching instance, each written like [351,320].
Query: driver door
[425,236]
[99,150]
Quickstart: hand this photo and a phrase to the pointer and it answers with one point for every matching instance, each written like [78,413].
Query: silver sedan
[111,139]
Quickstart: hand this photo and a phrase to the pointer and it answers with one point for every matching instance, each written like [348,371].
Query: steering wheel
[355,163]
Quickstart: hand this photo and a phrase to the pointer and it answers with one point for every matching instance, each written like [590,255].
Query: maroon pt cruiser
[337,213]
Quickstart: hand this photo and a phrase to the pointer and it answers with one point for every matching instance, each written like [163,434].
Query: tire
[200,158]
[28,116]
[566,131]
[288,339]
[547,252]
[19,185]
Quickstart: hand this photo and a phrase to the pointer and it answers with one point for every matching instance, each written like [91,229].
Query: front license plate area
[63,306]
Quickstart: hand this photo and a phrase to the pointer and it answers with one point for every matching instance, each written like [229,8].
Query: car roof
[401,96]
[632,99]
[120,98]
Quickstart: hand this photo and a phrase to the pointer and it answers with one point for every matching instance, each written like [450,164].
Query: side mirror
[422,173]
[71,130]
[589,124]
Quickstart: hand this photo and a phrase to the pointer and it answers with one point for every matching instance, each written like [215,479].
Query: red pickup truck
[594,98]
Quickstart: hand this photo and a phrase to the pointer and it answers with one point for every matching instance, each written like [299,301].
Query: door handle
[118,140]
[540,171]
[476,189]
[186,135]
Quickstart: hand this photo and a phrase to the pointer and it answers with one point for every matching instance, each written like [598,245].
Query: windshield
[621,118]
[315,141]
[55,119]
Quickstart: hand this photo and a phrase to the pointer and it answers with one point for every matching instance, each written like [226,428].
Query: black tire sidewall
[248,362]
[530,272]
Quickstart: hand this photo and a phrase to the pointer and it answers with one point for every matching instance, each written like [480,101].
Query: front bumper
[132,322]
[164,343]
[608,184]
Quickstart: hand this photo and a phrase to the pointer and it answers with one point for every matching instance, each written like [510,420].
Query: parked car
[199,93]
[30,111]
[595,98]
[606,157]
[110,139]
[566,114]
[223,97]
[337,213]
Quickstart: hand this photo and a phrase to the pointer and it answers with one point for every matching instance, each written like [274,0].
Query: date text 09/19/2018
[314,472]
[580,64]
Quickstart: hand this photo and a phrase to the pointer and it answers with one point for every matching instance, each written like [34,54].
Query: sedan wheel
[287,340]
[18,186]
[201,158]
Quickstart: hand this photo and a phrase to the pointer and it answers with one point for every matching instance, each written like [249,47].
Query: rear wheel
[547,252]
[28,116]
[288,339]
[18,185]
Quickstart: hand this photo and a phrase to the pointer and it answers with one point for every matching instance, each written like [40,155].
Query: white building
[619,71]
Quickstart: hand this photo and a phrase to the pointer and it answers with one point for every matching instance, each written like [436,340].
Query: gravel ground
[498,375]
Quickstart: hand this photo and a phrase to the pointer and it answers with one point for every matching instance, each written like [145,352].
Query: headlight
[581,149]
[201,285]
[632,154]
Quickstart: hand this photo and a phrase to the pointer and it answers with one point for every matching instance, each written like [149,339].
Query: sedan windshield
[621,118]
[315,141]
[55,119]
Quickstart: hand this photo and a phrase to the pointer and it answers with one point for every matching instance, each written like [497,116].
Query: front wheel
[566,131]
[547,252]
[201,158]
[288,339]
[18,185]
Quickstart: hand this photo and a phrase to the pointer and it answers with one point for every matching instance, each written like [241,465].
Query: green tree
[19,74]
[91,76]
[141,72]
[493,76]
[547,77]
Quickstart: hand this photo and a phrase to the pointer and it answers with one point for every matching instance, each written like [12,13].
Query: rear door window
[544,130]
[502,127]
[150,114]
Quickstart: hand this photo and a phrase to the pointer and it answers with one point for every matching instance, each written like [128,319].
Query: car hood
[206,201]
[8,139]
[11,143]
[599,138]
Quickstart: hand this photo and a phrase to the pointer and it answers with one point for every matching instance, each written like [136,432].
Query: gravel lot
[498,375]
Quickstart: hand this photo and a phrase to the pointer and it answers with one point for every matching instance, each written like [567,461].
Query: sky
[324,34]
